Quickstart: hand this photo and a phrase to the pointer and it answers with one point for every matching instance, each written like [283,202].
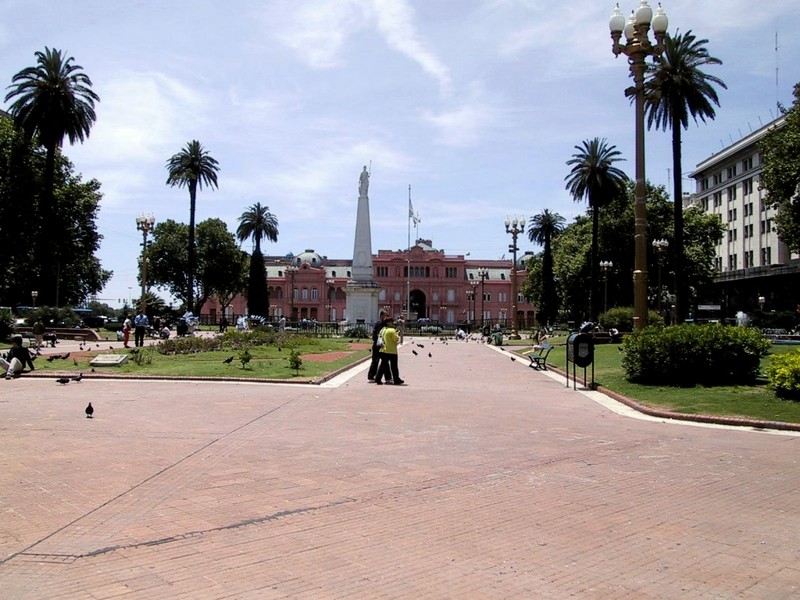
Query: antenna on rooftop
[777,65]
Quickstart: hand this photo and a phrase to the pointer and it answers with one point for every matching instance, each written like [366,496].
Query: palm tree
[51,101]
[192,167]
[676,88]
[594,176]
[257,222]
[543,228]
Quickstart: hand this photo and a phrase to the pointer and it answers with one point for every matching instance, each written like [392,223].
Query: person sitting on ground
[16,359]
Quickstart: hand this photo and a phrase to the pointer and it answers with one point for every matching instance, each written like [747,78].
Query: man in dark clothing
[16,359]
[376,357]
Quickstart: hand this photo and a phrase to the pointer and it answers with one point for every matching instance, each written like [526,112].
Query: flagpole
[408,260]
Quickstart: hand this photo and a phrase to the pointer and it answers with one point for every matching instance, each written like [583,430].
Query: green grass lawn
[754,401]
[267,362]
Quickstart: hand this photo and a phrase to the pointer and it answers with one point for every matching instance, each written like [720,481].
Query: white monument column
[362,290]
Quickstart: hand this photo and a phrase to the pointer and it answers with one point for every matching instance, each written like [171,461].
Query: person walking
[16,359]
[38,333]
[388,353]
[140,324]
[126,331]
[376,357]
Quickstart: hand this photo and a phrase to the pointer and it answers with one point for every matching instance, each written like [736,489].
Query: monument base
[361,302]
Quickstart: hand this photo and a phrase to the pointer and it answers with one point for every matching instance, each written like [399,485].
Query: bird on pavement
[89,411]
[430,355]
[63,380]
[513,359]
[78,378]
[415,353]
[228,361]
[51,358]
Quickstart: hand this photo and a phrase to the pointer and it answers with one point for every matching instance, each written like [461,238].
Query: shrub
[188,345]
[6,323]
[687,355]
[358,331]
[784,375]
[621,318]
[295,362]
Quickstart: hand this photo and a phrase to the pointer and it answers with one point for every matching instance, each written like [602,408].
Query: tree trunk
[681,291]
[44,246]
[593,270]
[192,258]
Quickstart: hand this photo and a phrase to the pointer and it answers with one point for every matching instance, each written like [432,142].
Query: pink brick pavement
[480,479]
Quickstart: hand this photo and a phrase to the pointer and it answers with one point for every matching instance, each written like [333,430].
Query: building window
[397,296]
[451,295]
[502,297]
[748,259]
[304,294]
[747,164]
[383,271]
[704,184]
[717,199]
[294,293]
[704,204]
[487,297]
[451,272]
[731,262]
[732,172]
[382,296]
[766,256]
[717,178]
[731,193]
[747,186]
[314,294]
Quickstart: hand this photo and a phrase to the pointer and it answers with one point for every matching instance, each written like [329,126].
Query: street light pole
[483,273]
[34,296]
[637,48]
[605,265]
[514,227]
[292,270]
[660,246]
[331,293]
[144,223]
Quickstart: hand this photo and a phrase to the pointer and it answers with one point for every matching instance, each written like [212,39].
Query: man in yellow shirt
[388,354]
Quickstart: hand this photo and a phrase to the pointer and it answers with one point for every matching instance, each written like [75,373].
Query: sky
[475,104]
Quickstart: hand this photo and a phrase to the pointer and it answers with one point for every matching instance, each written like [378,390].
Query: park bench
[539,360]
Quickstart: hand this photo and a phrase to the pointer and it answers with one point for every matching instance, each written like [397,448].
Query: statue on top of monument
[363,182]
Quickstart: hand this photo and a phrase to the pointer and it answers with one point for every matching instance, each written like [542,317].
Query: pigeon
[280,349]
[63,380]
[51,358]
[65,357]
[430,355]
[420,345]
[513,359]
[228,361]
[111,347]
[78,378]
[89,411]
[414,352]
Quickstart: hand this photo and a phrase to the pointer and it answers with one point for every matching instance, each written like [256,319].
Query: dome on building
[307,256]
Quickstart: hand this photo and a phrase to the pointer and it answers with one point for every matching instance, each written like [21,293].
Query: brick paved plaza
[480,479]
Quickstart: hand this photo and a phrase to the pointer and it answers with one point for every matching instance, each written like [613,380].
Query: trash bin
[486,331]
[580,349]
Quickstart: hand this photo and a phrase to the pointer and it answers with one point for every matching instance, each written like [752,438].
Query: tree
[257,222]
[76,272]
[780,177]
[677,88]
[51,101]
[543,228]
[192,167]
[594,177]
[220,263]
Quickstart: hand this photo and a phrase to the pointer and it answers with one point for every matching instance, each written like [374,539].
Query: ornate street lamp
[514,227]
[145,223]
[606,266]
[483,273]
[637,48]
[34,296]
[292,270]
[660,246]
[331,294]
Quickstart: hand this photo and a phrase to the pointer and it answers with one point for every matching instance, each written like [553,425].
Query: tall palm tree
[51,101]
[543,228]
[192,167]
[594,177]
[257,222]
[675,89]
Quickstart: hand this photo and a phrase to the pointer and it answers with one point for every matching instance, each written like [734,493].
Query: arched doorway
[418,304]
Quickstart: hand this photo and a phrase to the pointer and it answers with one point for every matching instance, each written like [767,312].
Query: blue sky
[477,104]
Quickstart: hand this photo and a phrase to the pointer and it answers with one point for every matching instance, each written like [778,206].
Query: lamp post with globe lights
[483,273]
[660,246]
[605,266]
[34,296]
[292,270]
[638,48]
[144,223]
[514,227]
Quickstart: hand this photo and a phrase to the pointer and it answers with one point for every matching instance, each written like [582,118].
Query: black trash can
[580,349]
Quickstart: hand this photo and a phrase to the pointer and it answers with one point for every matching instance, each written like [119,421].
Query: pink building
[447,289]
